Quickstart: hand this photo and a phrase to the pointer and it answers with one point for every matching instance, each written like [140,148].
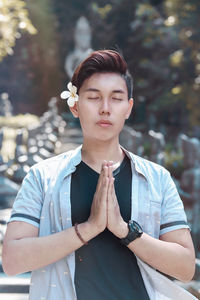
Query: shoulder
[149,169]
[159,179]
[147,165]
[52,166]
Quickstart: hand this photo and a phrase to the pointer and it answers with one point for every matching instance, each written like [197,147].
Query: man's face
[103,106]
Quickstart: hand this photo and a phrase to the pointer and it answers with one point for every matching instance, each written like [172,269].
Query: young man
[88,222]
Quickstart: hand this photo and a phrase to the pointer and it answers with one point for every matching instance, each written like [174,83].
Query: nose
[104,107]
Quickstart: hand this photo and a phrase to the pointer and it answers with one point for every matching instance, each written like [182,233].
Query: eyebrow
[91,90]
[96,90]
[118,91]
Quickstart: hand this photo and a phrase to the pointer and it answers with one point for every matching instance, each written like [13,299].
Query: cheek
[81,110]
[86,115]
[87,110]
[122,113]
[83,106]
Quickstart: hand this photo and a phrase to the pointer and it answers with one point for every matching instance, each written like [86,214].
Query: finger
[101,182]
[102,178]
[101,193]
[101,174]
[110,190]
[105,186]
[110,163]
[104,190]
[110,169]
[106,168]
[104,164]
[113,188]
[115,200]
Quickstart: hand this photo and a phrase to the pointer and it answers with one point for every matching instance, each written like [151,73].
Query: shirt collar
[135,161]
[75,159]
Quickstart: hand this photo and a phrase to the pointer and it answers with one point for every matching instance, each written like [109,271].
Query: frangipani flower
[71,94]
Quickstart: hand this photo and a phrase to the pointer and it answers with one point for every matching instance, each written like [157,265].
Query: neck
[94,153]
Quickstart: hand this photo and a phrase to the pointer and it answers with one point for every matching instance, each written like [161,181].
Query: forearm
[170,258]
[31,253]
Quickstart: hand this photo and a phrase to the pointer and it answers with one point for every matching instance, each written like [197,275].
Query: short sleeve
[28,202]
[172,210]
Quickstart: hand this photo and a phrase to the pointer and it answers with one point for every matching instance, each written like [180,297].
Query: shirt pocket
[149,201]
[155,216]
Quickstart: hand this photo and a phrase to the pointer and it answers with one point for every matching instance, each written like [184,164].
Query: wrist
[90,229]
[123,230]
[134,231]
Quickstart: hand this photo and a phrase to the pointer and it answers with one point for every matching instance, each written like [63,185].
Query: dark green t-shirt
[104,269]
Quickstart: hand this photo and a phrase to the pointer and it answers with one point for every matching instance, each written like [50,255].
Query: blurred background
[41,43]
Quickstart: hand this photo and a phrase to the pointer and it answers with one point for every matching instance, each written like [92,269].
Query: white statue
[82,38]
[5,105]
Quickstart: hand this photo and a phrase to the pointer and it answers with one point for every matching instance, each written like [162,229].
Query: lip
[104,123]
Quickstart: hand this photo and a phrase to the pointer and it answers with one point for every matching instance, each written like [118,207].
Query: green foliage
[32,75]
[138,28]
[174,162]
[147,149]
[159,39]
[102,11]
[185,61]
[173,159]
[14,19]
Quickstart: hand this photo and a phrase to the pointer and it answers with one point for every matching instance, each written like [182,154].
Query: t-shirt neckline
[115,172]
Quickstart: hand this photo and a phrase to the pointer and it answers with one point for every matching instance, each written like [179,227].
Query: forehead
[103,81]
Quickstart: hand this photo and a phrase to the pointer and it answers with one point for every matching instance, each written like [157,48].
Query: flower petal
[70,101]
[70,86]
[74,89]
[65,94]
[76,98]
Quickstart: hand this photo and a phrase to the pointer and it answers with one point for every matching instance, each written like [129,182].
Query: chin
[104,138]
[99,136]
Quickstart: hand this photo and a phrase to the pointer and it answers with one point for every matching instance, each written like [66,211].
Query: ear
[131,103]
[74,110]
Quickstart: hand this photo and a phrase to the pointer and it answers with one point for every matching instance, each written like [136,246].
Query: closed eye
[93,98]
[118,99]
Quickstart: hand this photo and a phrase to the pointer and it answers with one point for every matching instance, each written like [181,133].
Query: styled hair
[103,61]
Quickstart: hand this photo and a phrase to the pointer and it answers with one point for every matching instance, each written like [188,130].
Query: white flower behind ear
[71,94]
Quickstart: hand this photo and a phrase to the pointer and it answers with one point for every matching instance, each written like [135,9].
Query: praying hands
[105,211]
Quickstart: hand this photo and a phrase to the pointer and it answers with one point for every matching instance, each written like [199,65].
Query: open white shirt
[44,201]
